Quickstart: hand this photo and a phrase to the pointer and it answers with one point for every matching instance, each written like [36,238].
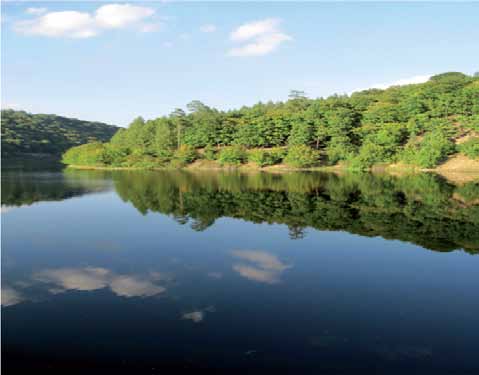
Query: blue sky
[114,61]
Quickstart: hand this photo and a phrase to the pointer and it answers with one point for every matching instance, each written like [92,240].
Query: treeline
[417,124]
[26,133]
[423,209]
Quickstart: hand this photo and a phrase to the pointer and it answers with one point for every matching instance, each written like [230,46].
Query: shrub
[114,155]
[232,155]
[434,148]
[469,191]
[209,152]
[470,148]
[339,148]
[87,154]
[369,154]
[301,156]
[142,161]
[470,122]
[185,154]
[266,157]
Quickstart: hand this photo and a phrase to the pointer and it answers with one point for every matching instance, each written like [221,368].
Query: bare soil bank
[457,169]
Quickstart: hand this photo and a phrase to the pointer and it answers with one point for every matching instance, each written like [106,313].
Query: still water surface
[173,270]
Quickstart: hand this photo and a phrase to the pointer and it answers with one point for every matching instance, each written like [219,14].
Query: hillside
[417,124]
[26,133]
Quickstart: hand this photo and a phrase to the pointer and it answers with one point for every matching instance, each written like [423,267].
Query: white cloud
[10,296]
[265,268]
[35,11]
[88,278]
[195,316]
[198,316]
[262,37]
[252,29]
[262,259]
[128,286]
[208,28]
[10,106]
[71,24]
[74,24]
[257,274]
[94,278]
[121,15]
[399,82]
[262,46]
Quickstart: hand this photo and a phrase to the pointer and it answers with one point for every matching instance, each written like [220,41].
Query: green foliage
[414,123]
[369,154]
[339,148]
[301,133]
[88,154]
[301,156]
[469,192]
[209,152]
[185,154]
[25,133]
[469,122]
[430,151]
[232,155]
[470,148]
[263,157]
[423,209]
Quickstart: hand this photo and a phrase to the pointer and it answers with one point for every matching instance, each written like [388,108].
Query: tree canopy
[417,124]
[26,133]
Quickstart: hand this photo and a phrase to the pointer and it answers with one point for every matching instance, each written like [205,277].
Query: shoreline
[449,170]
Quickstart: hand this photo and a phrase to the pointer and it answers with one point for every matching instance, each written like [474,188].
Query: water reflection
[197,270]
[10,296]
[61,280]
[263,267]
[197,316]
[93,278]
[23,188]
[424,209]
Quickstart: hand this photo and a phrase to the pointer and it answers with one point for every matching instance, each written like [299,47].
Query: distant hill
[25,133]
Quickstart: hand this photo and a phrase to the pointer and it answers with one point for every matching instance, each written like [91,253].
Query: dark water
[156,272]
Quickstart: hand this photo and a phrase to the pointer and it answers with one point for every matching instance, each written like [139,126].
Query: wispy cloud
[259,37]
[94,278]
[10,106]
[208,28]
[400,82]
[75,24]
[264,267]
[35,11]
[10,296]
[197,316]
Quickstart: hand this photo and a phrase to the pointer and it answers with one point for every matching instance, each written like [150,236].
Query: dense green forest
[419,124]
[26,133]
[422,208]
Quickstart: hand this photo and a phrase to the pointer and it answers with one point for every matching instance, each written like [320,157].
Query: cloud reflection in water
[264,267]
[94,278]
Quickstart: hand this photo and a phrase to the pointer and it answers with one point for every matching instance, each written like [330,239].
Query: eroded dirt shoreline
[457,169]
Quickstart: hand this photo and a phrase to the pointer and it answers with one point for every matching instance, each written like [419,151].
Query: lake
[301,272]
